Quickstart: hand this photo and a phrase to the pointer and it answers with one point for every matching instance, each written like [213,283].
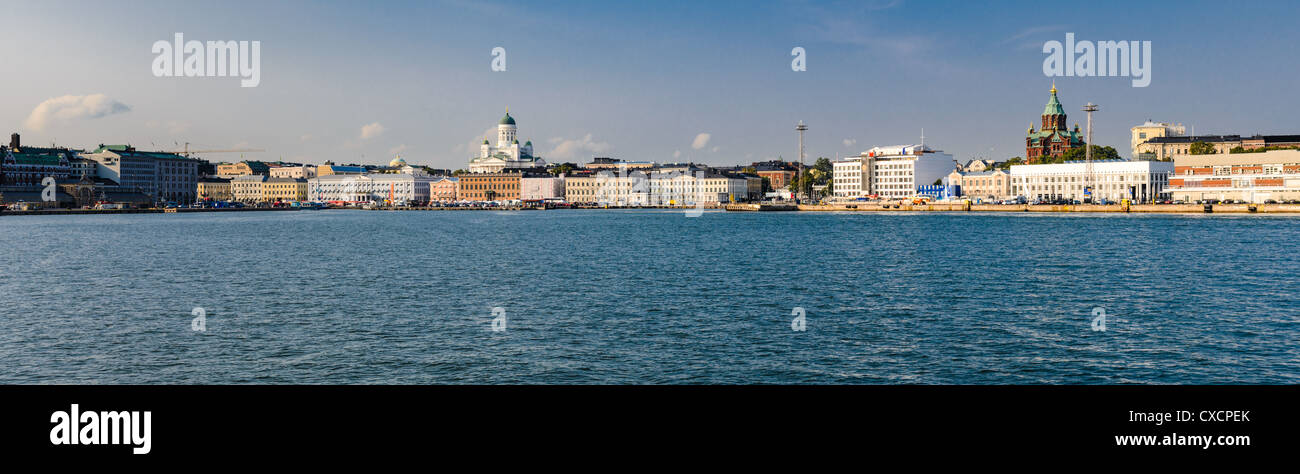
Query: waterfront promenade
[1291,209]
[1069,208]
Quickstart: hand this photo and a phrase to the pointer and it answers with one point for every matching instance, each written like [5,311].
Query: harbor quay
[1045,208]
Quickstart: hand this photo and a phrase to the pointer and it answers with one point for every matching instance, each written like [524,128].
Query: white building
[890,172]
[507,154]
[541,187]
[297,172]
[398,189]
[247,188]
[1114,180]
[637,188]
[846,175]
[701,187]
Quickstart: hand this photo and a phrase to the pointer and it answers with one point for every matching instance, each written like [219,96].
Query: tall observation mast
[801,128]
[1087,153]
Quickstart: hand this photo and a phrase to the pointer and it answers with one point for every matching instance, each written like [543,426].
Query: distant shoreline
[1284,209]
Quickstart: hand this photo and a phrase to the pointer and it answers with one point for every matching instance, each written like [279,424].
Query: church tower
[1054,114]
[1054,138]
[506,131]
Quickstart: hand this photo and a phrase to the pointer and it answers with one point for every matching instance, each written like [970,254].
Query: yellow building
[216,189]
[284,189]
[259,188]
[982,185]
[1147,131]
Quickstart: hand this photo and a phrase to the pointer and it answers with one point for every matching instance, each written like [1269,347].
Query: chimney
[13,141]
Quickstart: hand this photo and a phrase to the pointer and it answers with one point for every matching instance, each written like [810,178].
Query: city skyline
[705,83]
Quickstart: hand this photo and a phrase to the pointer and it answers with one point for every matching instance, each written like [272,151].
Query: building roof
[1053,105]
[1279,138]
[128,151]
[34,158]
[1197,138]
[507,120]
[346,169]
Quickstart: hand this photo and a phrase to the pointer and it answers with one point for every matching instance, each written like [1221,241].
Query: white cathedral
[507,154]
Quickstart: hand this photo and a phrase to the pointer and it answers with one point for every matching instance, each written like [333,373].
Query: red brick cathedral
[1053,139]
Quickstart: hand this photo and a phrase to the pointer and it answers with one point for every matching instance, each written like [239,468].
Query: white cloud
[571,149]
[701,141]
[850,141]
[371,131]
[73,107]
[677,153]
[716,149]
[397,149]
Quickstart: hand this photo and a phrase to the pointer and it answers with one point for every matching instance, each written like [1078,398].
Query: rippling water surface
[348,297]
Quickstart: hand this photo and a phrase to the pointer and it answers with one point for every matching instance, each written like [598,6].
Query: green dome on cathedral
[1053,105]
[507,120]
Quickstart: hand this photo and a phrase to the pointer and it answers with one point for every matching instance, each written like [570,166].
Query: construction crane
[186,152]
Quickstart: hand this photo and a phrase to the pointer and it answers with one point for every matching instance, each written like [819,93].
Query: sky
[708,82]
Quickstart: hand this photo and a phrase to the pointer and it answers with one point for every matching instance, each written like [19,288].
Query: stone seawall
[1140,208]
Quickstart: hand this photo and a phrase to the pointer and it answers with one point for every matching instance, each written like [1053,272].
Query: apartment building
[1248,177]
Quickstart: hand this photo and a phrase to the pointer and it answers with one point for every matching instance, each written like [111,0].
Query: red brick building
[1053,137]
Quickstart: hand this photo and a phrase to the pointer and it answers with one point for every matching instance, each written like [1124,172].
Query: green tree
[819,174]
[825,165]
[458,172]
[1079,154]
[562,168]
[1006,165]
[1200,148]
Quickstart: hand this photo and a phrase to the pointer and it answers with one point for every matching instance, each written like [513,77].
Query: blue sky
[635,80]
